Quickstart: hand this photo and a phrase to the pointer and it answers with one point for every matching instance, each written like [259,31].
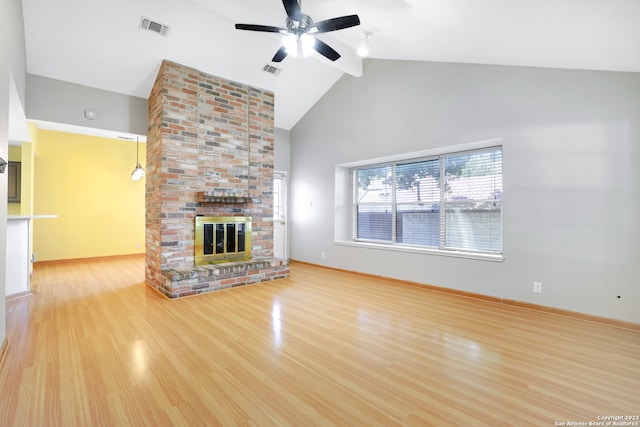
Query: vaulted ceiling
[98,43]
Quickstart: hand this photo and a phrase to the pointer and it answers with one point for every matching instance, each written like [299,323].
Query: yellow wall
[86,181]
[15,153]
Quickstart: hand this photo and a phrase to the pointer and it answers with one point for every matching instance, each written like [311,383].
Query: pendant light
[138,172]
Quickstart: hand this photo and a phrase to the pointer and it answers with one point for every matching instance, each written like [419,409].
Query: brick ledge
[183,282]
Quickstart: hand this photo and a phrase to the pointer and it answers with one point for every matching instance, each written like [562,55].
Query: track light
[363,50]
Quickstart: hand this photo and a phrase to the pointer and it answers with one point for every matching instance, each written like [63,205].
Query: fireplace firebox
[222,239]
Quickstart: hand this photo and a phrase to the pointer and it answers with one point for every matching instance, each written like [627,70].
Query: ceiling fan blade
[293,9]
[325,50]
[280,55]
[335,24]
[261,28]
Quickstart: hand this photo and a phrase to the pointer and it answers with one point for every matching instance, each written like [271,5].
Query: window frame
[442,248]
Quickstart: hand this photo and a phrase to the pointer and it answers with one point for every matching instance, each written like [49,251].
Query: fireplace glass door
[220,239]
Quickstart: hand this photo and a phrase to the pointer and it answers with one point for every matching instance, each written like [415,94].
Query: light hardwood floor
[95,346]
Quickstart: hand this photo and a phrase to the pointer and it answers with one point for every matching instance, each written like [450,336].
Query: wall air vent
[153,26]
[271,69]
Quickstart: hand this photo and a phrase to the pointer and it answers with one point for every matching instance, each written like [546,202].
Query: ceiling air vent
[153,26]
[271,69]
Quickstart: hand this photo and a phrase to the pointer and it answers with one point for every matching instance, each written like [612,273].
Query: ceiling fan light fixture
[290,43]
[307,43]
[299,27]
[302,45]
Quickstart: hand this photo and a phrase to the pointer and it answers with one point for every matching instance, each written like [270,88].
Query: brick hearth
[209,152]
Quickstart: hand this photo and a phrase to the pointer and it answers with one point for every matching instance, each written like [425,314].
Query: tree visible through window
[449,202]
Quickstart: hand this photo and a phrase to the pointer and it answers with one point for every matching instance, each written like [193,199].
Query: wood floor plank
[94,346]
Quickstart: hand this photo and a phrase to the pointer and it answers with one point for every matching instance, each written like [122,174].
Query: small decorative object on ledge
[3,165]
[222,196]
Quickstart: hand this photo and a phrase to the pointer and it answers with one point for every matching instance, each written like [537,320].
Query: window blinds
[449,202]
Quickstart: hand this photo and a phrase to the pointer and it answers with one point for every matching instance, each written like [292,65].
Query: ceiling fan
[299,32]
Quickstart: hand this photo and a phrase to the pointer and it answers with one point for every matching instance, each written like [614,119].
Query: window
[450,202]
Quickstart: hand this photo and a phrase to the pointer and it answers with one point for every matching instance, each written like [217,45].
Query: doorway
[280,249]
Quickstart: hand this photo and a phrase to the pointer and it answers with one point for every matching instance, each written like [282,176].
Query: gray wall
[282,161]
[62,102]
[12,66]
[571,142]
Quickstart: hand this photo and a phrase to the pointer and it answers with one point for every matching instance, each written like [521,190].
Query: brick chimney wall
[209,152]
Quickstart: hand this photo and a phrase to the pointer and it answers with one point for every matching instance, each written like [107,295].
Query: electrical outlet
[537,287]
[322,255]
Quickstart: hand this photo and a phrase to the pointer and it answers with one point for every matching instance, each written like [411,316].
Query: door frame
[284,202]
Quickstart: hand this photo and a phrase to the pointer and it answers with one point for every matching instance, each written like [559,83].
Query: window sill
[426,251]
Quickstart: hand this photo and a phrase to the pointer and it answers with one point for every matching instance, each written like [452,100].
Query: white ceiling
[98,43]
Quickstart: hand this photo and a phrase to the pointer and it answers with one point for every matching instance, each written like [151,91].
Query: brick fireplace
[209,154]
